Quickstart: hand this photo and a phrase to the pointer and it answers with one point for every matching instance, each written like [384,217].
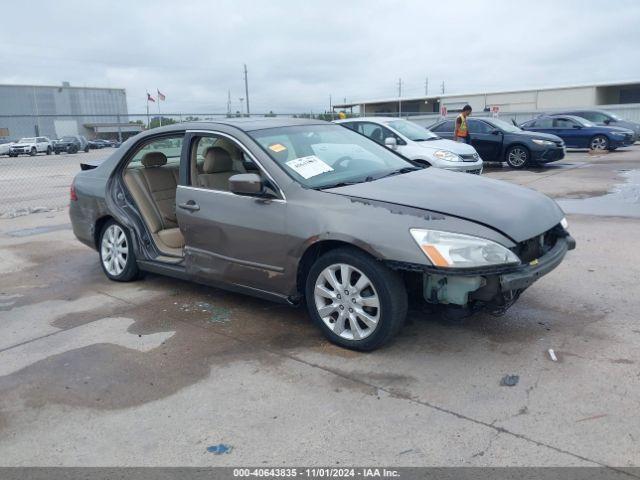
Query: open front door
[229,238]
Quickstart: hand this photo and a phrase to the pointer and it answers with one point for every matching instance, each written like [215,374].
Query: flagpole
[158,97]
[148,121]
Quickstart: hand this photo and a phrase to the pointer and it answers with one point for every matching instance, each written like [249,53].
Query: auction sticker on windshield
[308,167]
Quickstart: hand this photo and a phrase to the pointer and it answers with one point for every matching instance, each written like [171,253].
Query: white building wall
[566,98]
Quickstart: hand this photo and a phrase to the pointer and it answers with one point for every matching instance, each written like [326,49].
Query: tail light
[72,192]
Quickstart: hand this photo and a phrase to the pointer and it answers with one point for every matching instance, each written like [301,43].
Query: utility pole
[442,87]
[246,88]
[426,86]
[399,97]
[229,103]
[330,107]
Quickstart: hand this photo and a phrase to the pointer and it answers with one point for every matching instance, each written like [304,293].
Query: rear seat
[154,189]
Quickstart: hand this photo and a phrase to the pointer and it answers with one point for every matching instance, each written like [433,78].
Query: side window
[169,147]
[447,126]
[543,123]
[216,158]
[377,133]
[349,125]
[373,131]
[40,140]
[563,123]
[476,126]
[596,117]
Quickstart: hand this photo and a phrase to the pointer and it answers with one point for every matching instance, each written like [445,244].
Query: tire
[599,142]
[381,286]
[517,156]
[57,152]
[33,152]
[49,150]
[86,149]
[73,149]
[122,267]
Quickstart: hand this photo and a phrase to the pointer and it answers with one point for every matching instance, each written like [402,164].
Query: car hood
[517,212]
[542,136]
[619,129]
[22,144]
[459,148]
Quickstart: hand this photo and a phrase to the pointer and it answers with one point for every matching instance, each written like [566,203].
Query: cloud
[300,53]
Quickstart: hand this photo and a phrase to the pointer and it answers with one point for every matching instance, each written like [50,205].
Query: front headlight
[455,250]
[619,134]
[544,143]
[447,156]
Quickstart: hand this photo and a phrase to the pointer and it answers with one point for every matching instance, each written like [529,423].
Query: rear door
[229,238]
[570,131]
[487,143]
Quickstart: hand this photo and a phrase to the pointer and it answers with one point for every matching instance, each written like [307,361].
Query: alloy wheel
[347,301]
[114,250]
[599,143]
[517,157]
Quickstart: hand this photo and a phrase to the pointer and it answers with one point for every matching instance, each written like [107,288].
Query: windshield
[614,116]
[67,139]
[412,131]
[506,126]
[323,156]
[27,140]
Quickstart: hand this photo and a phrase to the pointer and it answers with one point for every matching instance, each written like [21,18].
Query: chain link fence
[40,182]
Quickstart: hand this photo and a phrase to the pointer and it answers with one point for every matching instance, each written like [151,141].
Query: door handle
[190,205]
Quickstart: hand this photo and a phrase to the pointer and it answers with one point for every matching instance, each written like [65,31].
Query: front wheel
[599,142]
[86,149]
[49,150]
[517,156]
[33,151]
[116,253]
[356,301]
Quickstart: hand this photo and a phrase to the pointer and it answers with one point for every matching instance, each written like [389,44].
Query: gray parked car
[298,210]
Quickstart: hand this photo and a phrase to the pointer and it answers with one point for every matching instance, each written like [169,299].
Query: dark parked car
[96,143]
[602,117]
[296,209]
[70,144]
[578,132]
[500,141]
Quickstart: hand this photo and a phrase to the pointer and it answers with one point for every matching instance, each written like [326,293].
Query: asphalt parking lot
[164,372]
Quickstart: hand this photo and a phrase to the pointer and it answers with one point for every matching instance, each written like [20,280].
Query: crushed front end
[488,288]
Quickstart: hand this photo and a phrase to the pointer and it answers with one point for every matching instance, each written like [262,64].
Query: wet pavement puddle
[622,201]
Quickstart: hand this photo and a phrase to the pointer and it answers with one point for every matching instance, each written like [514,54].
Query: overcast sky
[300,52]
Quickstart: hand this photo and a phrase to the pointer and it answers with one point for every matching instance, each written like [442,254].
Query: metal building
[623,97]
[55,111]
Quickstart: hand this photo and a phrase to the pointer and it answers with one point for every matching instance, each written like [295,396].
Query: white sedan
[416,143]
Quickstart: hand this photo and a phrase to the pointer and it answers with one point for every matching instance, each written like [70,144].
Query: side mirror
[577,126]
[496,132]
[246,184]
[607,121]
[390,142]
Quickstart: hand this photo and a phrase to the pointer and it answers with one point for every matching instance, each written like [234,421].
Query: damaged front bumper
[495,289]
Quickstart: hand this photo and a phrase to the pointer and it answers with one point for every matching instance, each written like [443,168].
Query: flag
[161,96]
[150,98]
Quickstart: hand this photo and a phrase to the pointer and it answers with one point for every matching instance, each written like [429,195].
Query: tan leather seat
[217,169]
[154,190]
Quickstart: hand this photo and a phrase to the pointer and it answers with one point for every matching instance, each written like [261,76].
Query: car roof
[572,117]
[246,124]
[369,119]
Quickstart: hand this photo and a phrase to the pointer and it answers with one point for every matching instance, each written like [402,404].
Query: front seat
[377,135]
[217,169]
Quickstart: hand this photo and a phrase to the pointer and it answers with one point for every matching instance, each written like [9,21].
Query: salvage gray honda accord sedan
[306,211]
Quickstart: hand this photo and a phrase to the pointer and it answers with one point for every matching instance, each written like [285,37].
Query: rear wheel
[517,156]
[116,253]
[599,142]
[356,301]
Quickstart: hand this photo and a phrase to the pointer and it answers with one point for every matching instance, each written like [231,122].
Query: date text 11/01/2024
[316,472]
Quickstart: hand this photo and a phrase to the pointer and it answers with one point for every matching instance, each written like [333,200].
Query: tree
[155,122]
